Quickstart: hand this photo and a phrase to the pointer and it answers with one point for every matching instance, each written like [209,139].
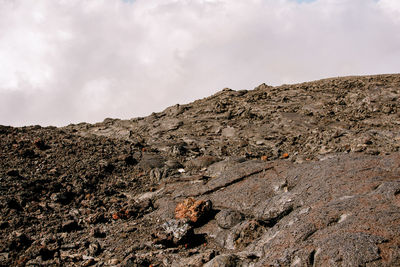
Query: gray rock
[228,218]
[94,248]
[348,249]
[274,208]
[201,162]
[240,236]
[174,232]
[228,260]
[150,161]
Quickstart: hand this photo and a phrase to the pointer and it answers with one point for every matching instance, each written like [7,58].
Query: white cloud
[72,61]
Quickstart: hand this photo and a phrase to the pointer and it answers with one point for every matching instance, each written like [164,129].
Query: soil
[295,175]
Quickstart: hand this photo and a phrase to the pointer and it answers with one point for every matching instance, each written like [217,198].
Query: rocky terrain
[294,175]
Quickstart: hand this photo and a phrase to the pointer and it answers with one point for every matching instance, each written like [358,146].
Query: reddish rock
[192,209]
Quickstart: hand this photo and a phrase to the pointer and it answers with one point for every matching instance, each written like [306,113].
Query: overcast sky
[70,61]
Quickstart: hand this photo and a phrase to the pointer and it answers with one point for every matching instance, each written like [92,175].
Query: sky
[71,61]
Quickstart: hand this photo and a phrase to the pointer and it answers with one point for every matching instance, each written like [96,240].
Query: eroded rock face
[296,175]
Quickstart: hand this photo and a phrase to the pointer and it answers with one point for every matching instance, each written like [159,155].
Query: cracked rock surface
[295,175]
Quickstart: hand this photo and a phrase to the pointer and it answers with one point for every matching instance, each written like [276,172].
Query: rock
[129,160]
[173,232]
[228,218]
[218,168]
[227,260]
[46,253]
[70,226]
[171,124]
[4,256]
[89,262]
[94,248]
[275,208]
[4,225]
[96,218]
[200,162]
[150,161]
[241,235]
[113,262]
[106,166]
[63,197]
[228,132]
[28,153]
[173,164]
[156,174]
[349,249]
[19,241]
[13,173]
[14,204]
[39,143]
[134,210]
[97,233]
[198,259]
[193,210]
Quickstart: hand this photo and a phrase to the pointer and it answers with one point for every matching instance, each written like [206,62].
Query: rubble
[294,175]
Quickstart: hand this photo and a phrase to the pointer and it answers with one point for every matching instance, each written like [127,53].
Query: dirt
[294,175]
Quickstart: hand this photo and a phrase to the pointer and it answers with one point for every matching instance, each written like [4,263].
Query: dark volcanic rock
[228,218]
[298,175]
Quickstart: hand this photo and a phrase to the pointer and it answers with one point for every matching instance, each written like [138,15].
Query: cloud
[70,61]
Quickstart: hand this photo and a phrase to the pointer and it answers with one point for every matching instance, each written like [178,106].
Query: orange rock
[192,209]
[285,155]
[264,158]
[115,216]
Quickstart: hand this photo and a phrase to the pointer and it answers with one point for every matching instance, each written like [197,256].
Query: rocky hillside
[294,175]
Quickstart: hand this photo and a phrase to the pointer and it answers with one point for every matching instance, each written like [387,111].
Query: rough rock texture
[295,175]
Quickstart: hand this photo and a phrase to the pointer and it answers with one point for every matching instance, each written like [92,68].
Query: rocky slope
[295,175]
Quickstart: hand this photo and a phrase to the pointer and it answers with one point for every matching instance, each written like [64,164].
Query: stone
[13,173]
[113,262]
[97,233]
[63,197]
[46,253]
[173,232]
[193,210]
[227,260]
[350,249]
[228,132]
[19,242]
[228,218]
[96,218]
[150,161]
[241,235]
[273,209]
[70,226]
[201,162]
[94,248]
[39,143]
[130,160]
